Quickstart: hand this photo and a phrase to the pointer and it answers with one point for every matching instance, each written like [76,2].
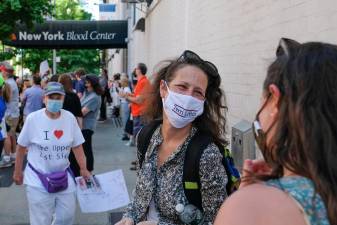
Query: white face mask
[181,109]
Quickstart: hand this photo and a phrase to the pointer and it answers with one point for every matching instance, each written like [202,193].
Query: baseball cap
[5,66]
[54,88]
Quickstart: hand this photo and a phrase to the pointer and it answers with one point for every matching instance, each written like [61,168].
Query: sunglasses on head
[191,57]
[286,47]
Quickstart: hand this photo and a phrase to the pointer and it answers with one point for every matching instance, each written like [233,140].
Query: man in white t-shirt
[48,136]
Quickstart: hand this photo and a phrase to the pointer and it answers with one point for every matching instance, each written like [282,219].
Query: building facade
[239,37]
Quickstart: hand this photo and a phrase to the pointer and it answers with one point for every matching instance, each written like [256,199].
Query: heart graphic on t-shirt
[58,133]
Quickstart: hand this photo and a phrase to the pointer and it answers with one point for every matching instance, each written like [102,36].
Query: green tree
[33,57]
[71,59]
[22,11]
[70,10]
[5,54]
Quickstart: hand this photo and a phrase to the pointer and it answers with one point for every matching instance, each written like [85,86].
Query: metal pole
[54,61]
[54,50]
[21,63]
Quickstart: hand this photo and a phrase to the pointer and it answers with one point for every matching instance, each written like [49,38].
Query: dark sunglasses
[191,57]
[286,47]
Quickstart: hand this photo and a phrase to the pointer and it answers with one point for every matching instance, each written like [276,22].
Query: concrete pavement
[110,153]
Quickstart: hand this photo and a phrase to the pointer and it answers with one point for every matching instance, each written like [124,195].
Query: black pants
[102,114]
[1,146]
[87,147]
[129,126]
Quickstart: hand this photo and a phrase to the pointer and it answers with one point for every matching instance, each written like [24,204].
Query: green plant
[22,11]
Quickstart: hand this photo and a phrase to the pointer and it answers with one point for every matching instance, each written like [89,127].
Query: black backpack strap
[143,139]
[191,178]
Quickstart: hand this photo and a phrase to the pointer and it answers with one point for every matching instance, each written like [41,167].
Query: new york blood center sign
[71,34]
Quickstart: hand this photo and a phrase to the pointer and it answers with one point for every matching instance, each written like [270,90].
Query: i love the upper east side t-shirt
[49,142]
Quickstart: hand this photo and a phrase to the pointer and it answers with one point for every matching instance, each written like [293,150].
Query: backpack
[195,148]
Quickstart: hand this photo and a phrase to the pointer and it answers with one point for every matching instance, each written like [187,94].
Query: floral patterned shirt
[302,190]
[164,185]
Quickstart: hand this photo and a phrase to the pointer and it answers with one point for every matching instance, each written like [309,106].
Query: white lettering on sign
[69,36]
[102,36]
[37,37]
[26,36]
[53,37]
[72,36]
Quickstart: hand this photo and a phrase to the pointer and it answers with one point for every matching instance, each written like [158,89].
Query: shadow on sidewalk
[6,176]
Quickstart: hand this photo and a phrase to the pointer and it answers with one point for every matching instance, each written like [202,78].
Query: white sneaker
[130,144]
[13,159]
[5,163]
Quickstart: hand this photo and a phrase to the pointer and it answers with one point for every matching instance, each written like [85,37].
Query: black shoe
[134,163]
[125,138]
[133,168]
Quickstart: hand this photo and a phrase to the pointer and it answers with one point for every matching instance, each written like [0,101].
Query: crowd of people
[295,129]
[56,117]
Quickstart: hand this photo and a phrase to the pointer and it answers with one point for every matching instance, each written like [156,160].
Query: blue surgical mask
[54,106]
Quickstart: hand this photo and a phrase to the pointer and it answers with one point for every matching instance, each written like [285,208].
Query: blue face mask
[54,106]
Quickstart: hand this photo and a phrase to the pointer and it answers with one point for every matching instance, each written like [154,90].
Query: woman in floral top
[296,130]
[188,98]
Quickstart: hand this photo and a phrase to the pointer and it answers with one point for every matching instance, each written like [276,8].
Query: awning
[140,25]
[71,35]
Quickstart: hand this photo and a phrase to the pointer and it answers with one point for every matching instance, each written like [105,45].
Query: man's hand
[122,95]
[85,174]
[258,167]
[18,177]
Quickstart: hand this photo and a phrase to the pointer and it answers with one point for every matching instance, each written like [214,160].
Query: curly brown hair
[213,119]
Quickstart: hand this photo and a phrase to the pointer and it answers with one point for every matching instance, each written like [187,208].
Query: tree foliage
[70,10]
[80,58]
[33,57]
[22,11]
[5,54]
[71,59]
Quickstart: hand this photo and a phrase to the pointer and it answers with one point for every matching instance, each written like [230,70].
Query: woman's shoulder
[71,94]
[96,96]
[303,191]
[260,204]
[211,159]
[92,96]
[211,151]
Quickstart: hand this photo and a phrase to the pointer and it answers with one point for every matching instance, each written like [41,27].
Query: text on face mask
[183,112]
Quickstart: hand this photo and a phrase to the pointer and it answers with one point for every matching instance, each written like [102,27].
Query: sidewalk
[110,153]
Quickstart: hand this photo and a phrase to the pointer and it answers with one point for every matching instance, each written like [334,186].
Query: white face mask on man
[181,109]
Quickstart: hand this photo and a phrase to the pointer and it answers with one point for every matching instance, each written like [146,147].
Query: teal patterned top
[302,190]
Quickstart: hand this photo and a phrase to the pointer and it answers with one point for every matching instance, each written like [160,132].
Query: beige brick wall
[239,36]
